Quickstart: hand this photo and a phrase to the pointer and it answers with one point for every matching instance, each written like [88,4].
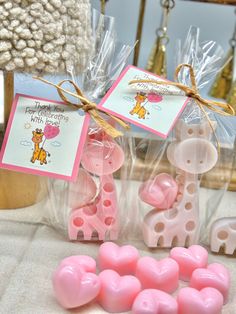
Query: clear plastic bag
[88,209]
[170,184]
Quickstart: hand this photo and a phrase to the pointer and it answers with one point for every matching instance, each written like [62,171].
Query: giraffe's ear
[33,132]
[42,133]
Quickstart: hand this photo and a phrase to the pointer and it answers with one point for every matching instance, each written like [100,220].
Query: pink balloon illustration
[51,131]
[152,97]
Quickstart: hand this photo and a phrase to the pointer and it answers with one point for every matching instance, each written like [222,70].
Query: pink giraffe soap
[117,292]
[206,301]
[215,275]
[122,259]
[161,275]
[151,301]
[189,259]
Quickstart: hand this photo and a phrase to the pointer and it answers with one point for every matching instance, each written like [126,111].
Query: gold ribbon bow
[192,92]
[87,106]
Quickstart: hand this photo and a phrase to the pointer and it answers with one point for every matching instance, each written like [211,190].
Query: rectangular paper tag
[44,137]
[154,113]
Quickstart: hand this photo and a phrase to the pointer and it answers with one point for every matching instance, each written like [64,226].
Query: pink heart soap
[151,301]
[82,191]
[189,259]
[161,275]
[122,259]
[117,293]
[73,287]
[206,301]
[160,192]
[86,263]
[215,276]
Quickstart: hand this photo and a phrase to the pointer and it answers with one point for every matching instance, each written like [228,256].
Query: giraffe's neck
[138,105]
[36,146]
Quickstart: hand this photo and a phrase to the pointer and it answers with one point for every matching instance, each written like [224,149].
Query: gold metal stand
[139,31]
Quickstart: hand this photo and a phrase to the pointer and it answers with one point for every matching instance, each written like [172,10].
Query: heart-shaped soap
[206,301]
[161,275]
[122,259]
[160,192]
[82,191]
[87,263]
[73,287]
[215,276]
[151,301]
[117,292]
[51,131]
[189,259]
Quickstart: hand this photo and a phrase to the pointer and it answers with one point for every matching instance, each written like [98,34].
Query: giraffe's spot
[107,203]
[191,188]
[188,206]
[232,225]
[188,161]
[109,221]
[190,131]
[190,225]
[201,131]
[78,222]
[108,187]
[222,235]
[90,210]
[159,227]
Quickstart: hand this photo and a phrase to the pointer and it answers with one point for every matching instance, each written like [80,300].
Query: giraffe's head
[193,151]
[140,97]
[37,136]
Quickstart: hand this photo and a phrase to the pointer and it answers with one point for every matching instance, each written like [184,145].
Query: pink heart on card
[206,301]
[151,301]
[189,259]
[87,263]
[160,192]
[161,275]
[117,293]
[215,276]
[122,259]
[51,131]
[73,287]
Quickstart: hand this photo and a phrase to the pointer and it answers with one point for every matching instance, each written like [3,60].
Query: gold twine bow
[87,106]
[192,92]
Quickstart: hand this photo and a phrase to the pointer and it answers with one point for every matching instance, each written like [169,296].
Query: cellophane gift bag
[173,187]
[88,209]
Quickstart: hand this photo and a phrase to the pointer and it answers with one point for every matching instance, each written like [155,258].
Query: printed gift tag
[139,104]
[44,137]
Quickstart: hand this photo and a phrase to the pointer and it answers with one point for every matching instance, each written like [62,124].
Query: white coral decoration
[44,35]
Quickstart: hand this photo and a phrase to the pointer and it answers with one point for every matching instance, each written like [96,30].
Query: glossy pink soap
[74,287]
[122,259]
[151,301]
[189,259]
[215,276]
[117,292]
[87,263]
[206,301]
[159,192]
[162,275]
